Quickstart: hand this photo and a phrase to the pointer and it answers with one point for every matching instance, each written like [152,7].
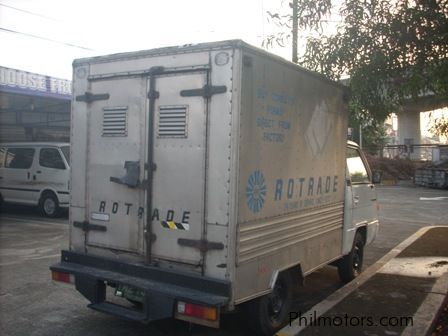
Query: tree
[393,51]
[439,126]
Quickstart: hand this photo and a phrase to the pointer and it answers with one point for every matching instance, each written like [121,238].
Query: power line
[28,12]
[44,38]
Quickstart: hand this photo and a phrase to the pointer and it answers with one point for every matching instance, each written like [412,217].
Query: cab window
[356,167]
[66,151]
[50,158]
[19,158]
[2,156]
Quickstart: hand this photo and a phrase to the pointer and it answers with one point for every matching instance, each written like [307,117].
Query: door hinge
[207,91]
[89,97]
[153,94]
[86,226]
[152,165]
[201,245]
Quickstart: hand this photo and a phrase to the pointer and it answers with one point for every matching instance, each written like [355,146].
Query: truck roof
[186,48]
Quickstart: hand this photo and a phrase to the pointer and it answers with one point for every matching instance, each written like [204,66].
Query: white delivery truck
[206,178]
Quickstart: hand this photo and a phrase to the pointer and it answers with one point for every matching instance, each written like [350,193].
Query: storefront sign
[27,81]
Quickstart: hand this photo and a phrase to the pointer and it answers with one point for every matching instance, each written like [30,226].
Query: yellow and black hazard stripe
[175,226]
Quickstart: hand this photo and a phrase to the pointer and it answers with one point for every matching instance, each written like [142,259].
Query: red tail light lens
[201,312]
[62,277]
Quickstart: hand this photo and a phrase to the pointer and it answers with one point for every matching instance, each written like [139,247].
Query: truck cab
[360,212]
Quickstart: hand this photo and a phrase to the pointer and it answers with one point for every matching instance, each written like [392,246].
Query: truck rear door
[115,153]
[179,153]
[149,129]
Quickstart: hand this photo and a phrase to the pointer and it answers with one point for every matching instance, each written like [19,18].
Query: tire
[49,205]
[350,266]
[269,313]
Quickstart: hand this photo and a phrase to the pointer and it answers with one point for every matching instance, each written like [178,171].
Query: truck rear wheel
[269,313]
[350,266]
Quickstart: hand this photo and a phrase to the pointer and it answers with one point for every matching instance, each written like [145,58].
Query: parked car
[36,174]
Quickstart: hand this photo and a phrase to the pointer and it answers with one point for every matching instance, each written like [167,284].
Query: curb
[430,307]
[333,299]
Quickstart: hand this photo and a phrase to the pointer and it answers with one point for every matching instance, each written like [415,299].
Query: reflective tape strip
[175,226]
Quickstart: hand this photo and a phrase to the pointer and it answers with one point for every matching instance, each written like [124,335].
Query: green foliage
[393,51]
[373,131]
[440,126]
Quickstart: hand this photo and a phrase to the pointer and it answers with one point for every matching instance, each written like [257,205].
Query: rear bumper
[162,288]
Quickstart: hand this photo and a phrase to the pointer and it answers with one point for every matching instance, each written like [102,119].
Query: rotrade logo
[256,191]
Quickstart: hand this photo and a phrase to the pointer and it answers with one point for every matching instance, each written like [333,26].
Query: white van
[36,174]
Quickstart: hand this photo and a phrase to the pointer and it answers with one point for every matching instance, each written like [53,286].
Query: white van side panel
[26,185]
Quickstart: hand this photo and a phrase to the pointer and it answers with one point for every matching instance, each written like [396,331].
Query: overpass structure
[33,107]
[408,120]
[409,116]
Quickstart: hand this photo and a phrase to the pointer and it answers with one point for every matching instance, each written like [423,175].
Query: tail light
[62,277]
[202,312]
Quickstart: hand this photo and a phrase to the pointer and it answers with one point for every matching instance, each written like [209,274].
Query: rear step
[113,309]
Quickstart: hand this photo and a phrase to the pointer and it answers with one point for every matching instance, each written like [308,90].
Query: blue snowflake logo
[256,191]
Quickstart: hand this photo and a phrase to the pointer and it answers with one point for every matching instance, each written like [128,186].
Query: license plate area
[125,296]
[130,293]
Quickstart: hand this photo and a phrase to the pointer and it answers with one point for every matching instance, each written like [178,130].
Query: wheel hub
[49,206]
[276,300]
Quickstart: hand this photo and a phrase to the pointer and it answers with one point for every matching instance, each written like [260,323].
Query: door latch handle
[38,172]
[131,179]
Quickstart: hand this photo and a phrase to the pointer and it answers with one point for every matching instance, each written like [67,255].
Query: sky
[44,36]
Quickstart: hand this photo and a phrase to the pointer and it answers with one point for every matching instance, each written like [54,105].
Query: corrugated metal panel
[115,121]
[263,238]
[172,121]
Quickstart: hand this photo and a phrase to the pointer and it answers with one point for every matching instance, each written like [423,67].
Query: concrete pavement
[31,304]
[400,294]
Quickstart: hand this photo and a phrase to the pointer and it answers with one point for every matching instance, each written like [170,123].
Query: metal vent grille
[115,121]
[172,122]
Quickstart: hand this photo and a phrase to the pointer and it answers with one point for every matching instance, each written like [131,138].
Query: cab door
[362,190]
[50,171]
[17,183]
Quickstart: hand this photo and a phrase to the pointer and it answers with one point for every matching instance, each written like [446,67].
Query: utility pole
[360,136]
[294,31]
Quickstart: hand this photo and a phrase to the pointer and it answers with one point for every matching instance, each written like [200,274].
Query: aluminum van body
[36,173]
[205,175]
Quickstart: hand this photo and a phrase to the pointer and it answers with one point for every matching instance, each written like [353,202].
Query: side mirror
[377,176]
